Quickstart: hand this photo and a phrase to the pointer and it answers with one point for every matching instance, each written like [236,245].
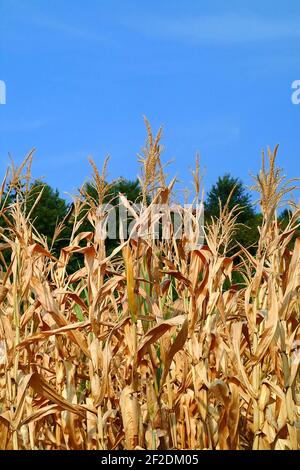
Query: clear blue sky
[217,75]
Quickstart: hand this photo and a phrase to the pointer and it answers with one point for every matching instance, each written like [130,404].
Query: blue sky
[81,74]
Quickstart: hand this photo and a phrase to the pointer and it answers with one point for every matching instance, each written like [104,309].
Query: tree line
[52,209]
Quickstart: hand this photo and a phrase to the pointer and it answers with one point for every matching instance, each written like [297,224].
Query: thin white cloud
[229,29]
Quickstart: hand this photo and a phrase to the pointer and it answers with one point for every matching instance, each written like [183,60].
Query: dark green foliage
[221,191]
[284,219]
[49,211]
[130,189]
[246,234]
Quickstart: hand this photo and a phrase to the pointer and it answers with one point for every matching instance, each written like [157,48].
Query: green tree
[48,211]
[247,233]
[130,189]
[284,220]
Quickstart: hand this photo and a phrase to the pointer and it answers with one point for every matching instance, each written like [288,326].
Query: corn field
[152,346]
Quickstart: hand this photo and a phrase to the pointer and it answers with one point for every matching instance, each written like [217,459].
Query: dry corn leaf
[40,386]
[176,346]
[155,333]
[131,416]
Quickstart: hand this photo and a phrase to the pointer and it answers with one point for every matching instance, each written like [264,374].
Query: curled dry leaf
[130,411]
[155,333]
